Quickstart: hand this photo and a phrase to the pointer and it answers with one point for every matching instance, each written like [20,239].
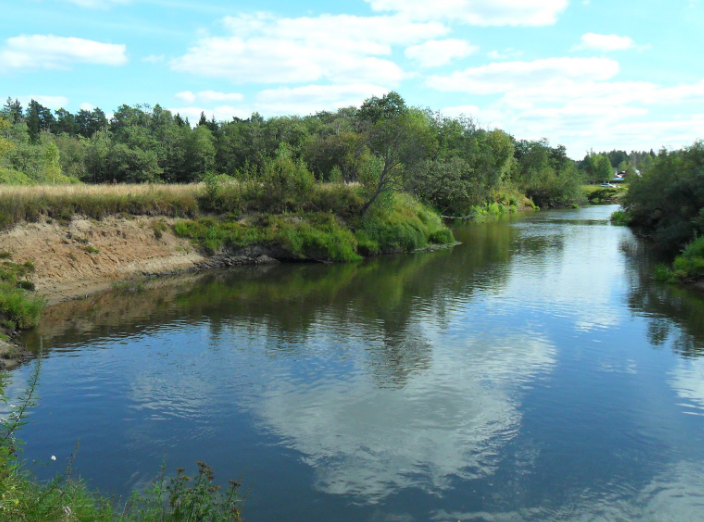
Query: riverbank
[62,243]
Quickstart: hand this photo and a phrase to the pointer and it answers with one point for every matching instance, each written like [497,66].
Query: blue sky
[587,74]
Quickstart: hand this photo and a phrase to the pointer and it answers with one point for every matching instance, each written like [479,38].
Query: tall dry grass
[30,204]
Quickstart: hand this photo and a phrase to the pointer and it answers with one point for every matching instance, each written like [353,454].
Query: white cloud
[578,103]
[434,53]
[606,42]
[501,77]
[315,98]
[87,106]
[53,102]
[477,12]
[370,442]
[213,96]
[209,96]
[186,96]
[506,54]
[154,58]
[483,117]
[223,113]
[341,49]
[57,52]
[97,3]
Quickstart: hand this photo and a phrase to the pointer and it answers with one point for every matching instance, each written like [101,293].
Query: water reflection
[674,313]
[450,420]
[676,494]
[510,378]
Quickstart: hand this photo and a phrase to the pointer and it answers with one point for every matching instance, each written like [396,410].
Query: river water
[534,372]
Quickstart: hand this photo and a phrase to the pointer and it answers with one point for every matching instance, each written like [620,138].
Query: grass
[401,225]
[303,236]
[20,307]
[620,218]
[687,266]
[596,194]
[62,202]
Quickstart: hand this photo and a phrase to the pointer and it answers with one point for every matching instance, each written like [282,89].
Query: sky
[587,74]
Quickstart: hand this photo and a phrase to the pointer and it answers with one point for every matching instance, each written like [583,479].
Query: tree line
[452,164]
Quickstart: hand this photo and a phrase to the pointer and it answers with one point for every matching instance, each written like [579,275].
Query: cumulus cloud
[506,54]
[315,98]
[578,102]
[340,48]
[57,52]
[484,117]
[607,42]
[501,77]
[52,102]
[434,53]
[221,113]
[154,58]
[97,3]
[477,12]
[209,96]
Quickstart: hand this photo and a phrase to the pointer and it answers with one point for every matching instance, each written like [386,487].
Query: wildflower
[53,457]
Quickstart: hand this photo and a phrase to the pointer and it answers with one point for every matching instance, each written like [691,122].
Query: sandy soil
[86,256]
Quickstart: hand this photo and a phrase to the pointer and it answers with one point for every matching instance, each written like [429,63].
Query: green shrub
[403,225]
[620,217]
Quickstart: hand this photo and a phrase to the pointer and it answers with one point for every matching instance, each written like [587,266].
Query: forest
[450,164]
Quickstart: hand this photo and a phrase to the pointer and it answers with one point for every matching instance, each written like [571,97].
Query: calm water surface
[535,372]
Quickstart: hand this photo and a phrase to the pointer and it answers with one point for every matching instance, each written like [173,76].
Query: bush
[667,201]
[402,226]
[620,218]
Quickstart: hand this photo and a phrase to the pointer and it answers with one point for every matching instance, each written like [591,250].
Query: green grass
[401,225]
[620,218]
[20,307]
[688,266]
[304,236]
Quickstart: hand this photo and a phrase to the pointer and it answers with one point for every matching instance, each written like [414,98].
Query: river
[533,372]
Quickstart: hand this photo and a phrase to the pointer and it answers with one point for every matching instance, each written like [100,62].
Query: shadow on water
[675,313]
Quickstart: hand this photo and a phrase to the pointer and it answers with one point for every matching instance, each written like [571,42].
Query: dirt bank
[85,256]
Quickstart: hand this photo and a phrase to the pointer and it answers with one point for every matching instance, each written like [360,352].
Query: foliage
[20,307]
[690,263]
[386,146]
[313,236]
[546,175]
[620,218]
[402,226]
[667,201]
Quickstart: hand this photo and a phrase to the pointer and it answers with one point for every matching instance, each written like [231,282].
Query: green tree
[598,167]
[399,138]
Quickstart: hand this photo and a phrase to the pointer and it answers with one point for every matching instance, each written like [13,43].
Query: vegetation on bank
[666,204]
[449,164]
[20,306]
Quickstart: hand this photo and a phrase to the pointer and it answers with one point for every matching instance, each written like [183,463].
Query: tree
[399,138]
[598,167]
[12,111]
[65,123]
[38,118]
